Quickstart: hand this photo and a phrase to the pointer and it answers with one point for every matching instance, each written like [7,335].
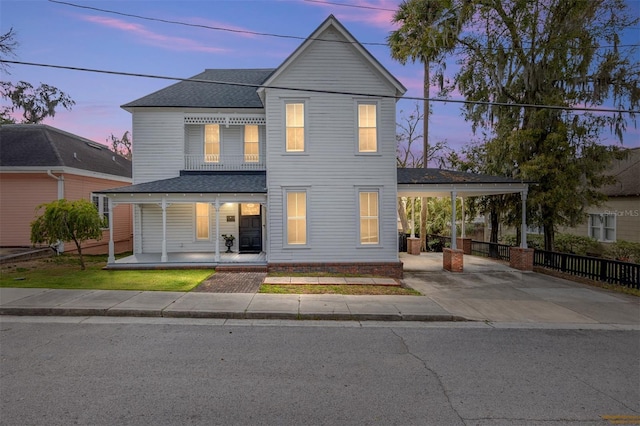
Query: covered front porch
[194,220]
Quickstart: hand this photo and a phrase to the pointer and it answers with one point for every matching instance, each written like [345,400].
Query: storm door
[250,228]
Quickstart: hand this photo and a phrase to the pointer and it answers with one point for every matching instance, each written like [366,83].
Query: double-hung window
[369,217]
[202,221]
[367,127]
[251,144]
[212,143]
[296,217]
[294,124]
[602,227]
[102,205]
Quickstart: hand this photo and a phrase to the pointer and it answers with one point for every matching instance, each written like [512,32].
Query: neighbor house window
[202,221]
[212,143]
[251,146]
[296,218]
[294,123]
[369,226]
[367,128]
[102,205]
[602,227]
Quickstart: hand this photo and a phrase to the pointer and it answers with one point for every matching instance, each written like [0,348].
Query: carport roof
[420,182]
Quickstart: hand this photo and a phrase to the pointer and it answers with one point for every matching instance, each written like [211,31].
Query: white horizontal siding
[181,235]
[330,169]
[158,151]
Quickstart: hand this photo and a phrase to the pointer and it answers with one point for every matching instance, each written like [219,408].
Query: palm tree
[429,29]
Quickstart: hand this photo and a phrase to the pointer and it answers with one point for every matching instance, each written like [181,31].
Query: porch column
[463,234]
[216,206]
[112,257]
[453,220]
[523,225]
[163,256]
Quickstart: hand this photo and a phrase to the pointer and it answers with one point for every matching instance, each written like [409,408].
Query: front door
[250,228]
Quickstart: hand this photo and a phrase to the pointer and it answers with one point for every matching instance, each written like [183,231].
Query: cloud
[364,11]
[141,33]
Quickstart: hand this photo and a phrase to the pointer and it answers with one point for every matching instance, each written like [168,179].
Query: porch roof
[254,182]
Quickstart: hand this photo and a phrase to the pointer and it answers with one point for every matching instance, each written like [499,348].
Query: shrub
[576,244]
[626,251]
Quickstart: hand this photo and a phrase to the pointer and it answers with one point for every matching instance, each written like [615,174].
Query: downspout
[59,246]
[60,184]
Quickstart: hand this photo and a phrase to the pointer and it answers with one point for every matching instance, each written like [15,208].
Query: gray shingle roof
[627,172]
[440,176]
[193,94]
[39,145]
[254,182]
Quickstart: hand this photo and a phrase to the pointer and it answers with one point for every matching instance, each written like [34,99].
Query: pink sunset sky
[59,34]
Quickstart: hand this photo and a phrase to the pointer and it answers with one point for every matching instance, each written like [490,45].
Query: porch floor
[187,260]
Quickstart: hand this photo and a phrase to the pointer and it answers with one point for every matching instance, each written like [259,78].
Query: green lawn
[348,289]
[63,272]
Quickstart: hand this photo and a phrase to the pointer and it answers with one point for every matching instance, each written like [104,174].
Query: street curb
[15,311]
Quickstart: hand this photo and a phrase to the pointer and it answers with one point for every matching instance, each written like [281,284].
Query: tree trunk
[425,155]
[402,213]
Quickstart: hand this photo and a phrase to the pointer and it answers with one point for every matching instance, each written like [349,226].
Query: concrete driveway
[492,291]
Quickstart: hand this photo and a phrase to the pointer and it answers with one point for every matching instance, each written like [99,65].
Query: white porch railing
[224,162]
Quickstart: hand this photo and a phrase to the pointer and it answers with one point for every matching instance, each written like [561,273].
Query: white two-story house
[297,164]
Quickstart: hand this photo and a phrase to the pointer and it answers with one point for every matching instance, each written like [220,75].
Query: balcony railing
[224,162]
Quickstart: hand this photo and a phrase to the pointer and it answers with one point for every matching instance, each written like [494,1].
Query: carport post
[523,225]
[453,220]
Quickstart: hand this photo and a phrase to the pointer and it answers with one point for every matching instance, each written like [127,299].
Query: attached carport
[419,182]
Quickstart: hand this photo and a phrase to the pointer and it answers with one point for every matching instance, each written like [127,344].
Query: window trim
[285,217]
[103,207]
[359,102]
[304,125]
[195,219]
[359,243]
[244,144]
[204,143]
[602,228]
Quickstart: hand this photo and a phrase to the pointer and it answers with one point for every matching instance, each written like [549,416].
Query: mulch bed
[232,282]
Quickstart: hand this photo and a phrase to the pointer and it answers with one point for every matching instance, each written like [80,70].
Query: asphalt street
[167,371]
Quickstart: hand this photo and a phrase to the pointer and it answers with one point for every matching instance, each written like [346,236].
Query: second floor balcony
[223,162]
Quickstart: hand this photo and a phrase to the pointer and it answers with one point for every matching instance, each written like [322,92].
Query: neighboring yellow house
[618,218]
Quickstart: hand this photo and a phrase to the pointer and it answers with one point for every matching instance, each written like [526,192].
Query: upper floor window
[602,227]
[212,143]
[367,128]
[369,225]
[294,123]
[251,144]
[296,218]
[102,205]
[202,221]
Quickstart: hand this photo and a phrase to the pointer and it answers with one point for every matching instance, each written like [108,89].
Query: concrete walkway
[494,295]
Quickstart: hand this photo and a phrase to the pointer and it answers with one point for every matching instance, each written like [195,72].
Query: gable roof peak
[332,21]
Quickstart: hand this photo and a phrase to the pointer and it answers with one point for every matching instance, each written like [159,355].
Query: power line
[208,27]
[284,36]
[350,5]
[333,92]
